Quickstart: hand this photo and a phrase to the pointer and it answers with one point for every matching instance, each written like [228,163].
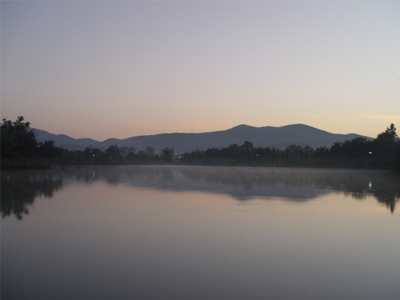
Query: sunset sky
[103,69]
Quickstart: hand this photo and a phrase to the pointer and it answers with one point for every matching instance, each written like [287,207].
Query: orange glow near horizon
[119,69]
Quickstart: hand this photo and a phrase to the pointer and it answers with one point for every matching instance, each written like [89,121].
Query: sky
[117,69]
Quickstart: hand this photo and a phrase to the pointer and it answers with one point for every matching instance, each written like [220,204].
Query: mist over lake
[183,232]
[180,150]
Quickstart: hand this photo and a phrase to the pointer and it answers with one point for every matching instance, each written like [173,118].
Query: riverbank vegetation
[380,153]
[21,150]
[19,147]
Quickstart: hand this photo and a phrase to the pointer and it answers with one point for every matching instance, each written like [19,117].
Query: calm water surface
[199,233]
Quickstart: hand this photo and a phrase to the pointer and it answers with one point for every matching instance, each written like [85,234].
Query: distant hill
[64,141]
[278,137]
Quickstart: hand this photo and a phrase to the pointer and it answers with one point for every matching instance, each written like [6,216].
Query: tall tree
[19,144]
[167,154]
[18,141]
[386,146]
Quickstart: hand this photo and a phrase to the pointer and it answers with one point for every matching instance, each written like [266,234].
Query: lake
[181,232]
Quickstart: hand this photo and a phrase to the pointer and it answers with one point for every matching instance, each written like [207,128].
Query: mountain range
[268,136]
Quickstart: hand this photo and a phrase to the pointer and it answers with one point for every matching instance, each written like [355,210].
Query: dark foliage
[114,155]
[20,147]
[382,152]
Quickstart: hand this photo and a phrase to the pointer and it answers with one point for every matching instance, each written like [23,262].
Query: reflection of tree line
[385,187]
[19,190]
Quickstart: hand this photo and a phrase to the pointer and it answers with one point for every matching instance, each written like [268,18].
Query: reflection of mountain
[247,183]
[19,190]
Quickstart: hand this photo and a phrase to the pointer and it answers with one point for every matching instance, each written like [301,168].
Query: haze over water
[148,232]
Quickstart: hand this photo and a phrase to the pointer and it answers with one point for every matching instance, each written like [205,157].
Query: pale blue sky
[120,69]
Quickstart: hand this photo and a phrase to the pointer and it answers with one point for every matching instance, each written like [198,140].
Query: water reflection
[19,189]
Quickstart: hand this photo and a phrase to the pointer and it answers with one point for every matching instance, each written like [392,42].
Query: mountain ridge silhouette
[267,136]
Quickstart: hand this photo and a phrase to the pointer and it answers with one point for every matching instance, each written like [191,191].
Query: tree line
[114,155]
[20,147]
[382,153]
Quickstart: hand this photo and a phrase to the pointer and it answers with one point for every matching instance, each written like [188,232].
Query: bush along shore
[21,150]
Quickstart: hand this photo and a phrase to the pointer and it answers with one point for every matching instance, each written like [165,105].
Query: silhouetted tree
[149,151]
[47,151]
[19,144]
[167,154]
[383,152]
[114,155]
[386,147]
[17,141]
